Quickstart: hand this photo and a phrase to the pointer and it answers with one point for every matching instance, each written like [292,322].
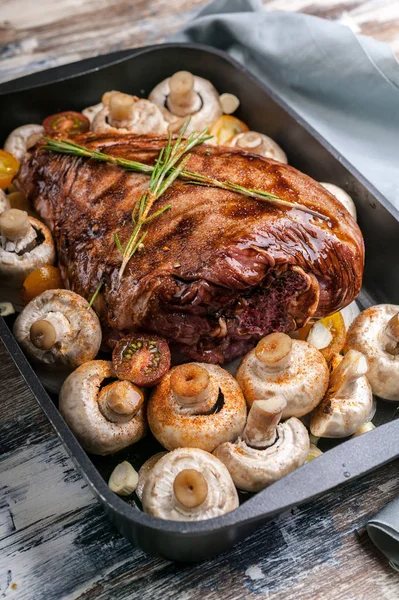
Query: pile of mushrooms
[104,419]
[123,113]
[267,450]
[58,331]
[375,333]
[189,484]
[196,405]
[258,143]
[25,245]
[185,95]
[349,400]
[279,366]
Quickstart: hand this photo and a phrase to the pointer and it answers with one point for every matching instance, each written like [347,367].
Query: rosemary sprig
[169,165]
[66,147]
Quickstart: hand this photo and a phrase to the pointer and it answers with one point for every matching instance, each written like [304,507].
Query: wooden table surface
[55,541]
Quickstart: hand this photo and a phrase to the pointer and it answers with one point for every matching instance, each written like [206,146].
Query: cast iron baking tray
[30,99]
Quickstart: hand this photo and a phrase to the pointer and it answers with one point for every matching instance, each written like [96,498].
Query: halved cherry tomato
[335,324]
[40,280]
[69,122]
[9,166]
[141,359]
[225,128]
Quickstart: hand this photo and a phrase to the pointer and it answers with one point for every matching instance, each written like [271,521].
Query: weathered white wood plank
[37,36]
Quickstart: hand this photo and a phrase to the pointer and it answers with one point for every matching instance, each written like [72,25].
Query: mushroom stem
[45,333]
[120,401]
[352,366]
[392,333]
[273,352]
[264,416]
[14,224]
[190,386]
[190,488]
[250,140]
[121,107]
[183,99]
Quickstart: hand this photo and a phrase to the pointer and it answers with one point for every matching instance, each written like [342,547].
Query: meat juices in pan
[219,270]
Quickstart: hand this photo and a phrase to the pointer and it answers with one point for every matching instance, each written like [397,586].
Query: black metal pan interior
[30,99]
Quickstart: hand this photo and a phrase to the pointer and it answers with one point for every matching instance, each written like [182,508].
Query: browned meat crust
[218,270]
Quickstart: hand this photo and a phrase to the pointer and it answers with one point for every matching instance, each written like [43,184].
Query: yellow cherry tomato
[40,280]
[225,128]
[8,168]
[335,325]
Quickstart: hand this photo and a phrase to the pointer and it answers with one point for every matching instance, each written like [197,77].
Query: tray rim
[248,511]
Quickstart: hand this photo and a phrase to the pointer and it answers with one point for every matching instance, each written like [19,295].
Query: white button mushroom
[129,114]
[258,143]
[58,331]
[196,405]
[185,95]
[23,138]
[375,333]
[267,450]
[342,197]
[104,419]
[348,402]
[25,245]
[144,471]
[279,366]
[189,484]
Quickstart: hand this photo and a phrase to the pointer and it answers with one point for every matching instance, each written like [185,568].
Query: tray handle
[341,464]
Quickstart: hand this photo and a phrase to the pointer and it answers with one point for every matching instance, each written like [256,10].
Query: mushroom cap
[254,469]
[366,334]
[91,111]
[342,197]
[78,404]
[147,118]
[159,498]
[210,109]
[22,138]
[343,411]
[259,143]
[303,382]
[145,470]
[78,345]
[175,427]
[15,265]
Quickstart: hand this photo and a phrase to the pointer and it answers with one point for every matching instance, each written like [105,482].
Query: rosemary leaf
[118,243]
[94,296]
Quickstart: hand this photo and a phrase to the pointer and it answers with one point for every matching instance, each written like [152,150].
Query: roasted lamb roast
[218,270]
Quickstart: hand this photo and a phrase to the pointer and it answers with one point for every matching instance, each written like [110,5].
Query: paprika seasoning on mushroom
[196,405]
[285,367]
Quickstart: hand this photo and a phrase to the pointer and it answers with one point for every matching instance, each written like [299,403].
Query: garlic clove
[314,452]
[124,479]
[229,103]
[319,336]
[6,309]
[364,429]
